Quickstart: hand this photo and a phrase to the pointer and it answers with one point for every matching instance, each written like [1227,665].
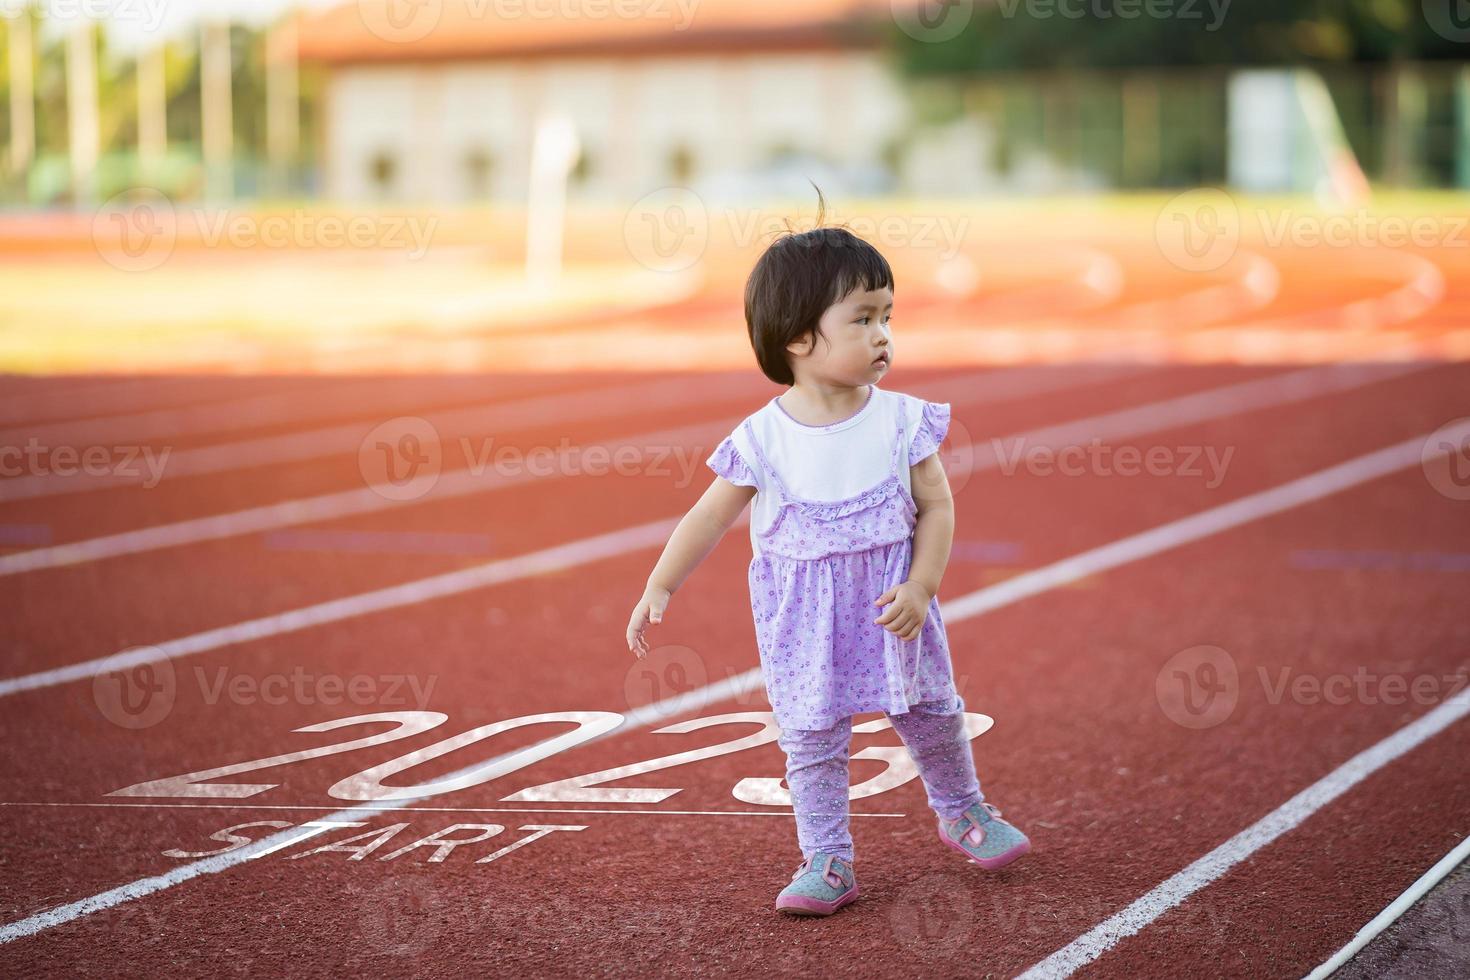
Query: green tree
[1046,34]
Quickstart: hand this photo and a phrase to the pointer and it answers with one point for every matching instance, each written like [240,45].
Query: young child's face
[857,333]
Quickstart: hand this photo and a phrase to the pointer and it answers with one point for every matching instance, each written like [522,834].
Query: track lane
[256,567]
[1344,864]
[391,571]
[1050,732]
[550,683]
[305,403]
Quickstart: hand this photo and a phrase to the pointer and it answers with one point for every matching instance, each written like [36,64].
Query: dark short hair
[796,279]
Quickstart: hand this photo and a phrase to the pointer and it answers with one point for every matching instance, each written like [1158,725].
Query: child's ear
[802,346]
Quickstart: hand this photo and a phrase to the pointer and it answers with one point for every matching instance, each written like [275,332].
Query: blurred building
[441,107]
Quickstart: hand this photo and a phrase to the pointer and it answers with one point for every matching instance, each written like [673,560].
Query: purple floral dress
[813,580]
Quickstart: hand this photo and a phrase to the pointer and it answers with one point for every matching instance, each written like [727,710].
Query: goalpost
[1285,135]
[553,154]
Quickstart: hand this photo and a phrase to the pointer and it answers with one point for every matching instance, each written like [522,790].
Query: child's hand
[907,614]
[650,609]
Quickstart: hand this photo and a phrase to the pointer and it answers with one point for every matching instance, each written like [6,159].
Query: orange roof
[420,30]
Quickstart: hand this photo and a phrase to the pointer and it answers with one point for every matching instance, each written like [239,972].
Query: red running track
[1116,794]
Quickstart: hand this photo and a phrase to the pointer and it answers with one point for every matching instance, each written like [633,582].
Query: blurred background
[447,185]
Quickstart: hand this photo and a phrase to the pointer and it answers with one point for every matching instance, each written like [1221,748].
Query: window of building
[383,172]
[784,151]
[479,172]
[681,164]
[584,169]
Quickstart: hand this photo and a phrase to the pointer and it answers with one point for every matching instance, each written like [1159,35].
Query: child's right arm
[693,539]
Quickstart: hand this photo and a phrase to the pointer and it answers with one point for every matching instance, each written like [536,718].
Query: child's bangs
[858,266]
[851,263]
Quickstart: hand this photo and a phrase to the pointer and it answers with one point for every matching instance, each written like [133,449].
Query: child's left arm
[933,537]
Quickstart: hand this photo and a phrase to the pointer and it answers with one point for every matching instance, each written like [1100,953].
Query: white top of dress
[829,462]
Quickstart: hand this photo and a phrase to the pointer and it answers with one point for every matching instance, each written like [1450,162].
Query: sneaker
[980,835]
[822,885]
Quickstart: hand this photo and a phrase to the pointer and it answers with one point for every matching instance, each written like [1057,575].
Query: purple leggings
[816,771]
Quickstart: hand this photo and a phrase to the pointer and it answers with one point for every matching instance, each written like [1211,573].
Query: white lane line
[1396,908]
[1217,403]
[120,394]
[194,419]
[1335,479]
[678,394]
[1204,406]
[648,715]
[1421,288]
[1258,284]
[1355,329]
[1098,281]
[1101,938]
[1139,331]
[773,812]
[293,447]
[559,558]
[297,446]
[1188,409]
[1315,486]
[997,386]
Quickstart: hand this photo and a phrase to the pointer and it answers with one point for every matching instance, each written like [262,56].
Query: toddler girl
[850,527]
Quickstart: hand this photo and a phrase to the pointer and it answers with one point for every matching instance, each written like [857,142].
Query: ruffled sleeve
[727,462]
[930,432]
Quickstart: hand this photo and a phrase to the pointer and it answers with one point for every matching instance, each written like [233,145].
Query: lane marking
[292,447]
[775,812]
[1314,487]
[1097,282]
[571,555]
[1216,403]
[1174,890]
[1204,406]
[119,394]
[1348,330]
[1422,288]
[147,425]
[1395,909]
[648,715]
[1257,285]
[1012,383]
[1165,537]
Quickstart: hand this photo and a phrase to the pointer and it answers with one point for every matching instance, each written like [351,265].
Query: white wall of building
[635,118]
